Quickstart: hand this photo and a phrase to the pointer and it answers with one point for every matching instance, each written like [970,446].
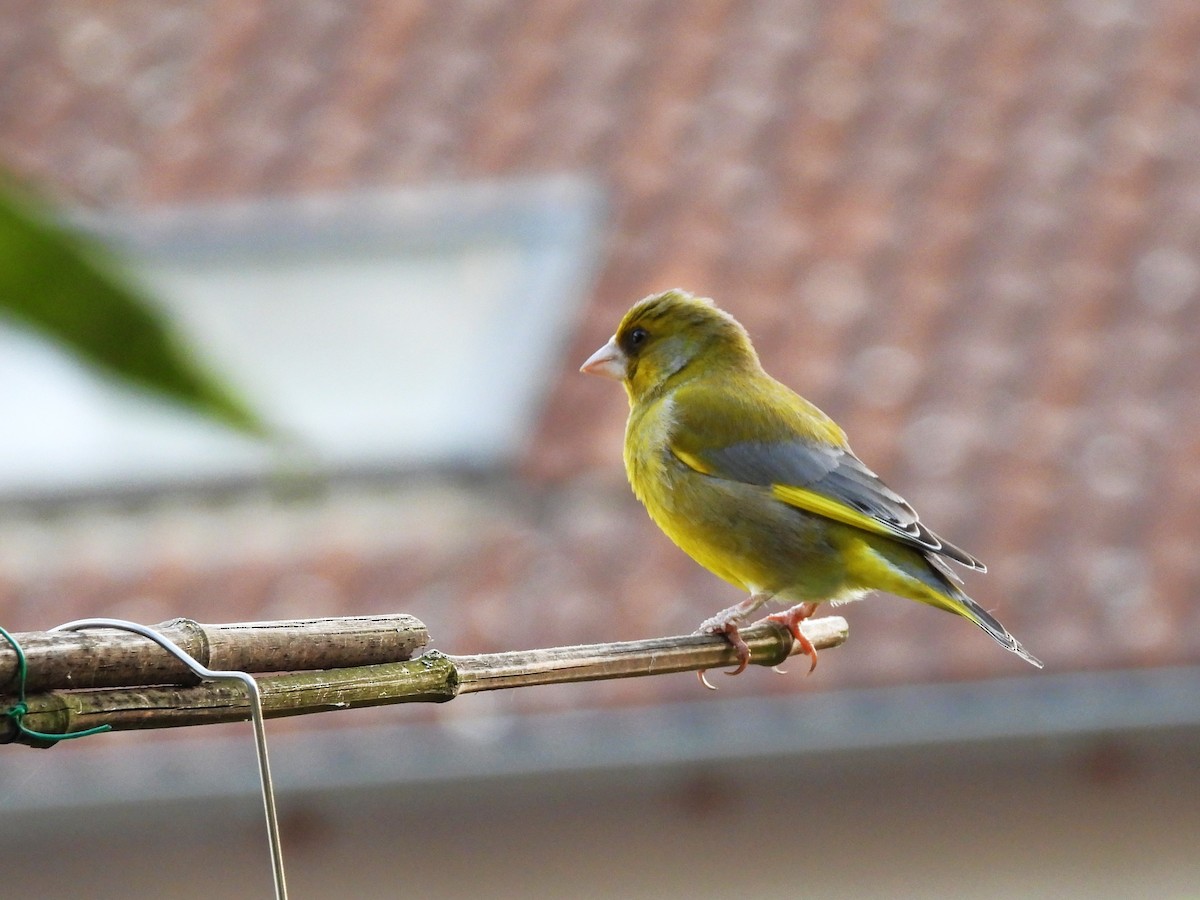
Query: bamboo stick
[98,658]
[770,645]
[433,677]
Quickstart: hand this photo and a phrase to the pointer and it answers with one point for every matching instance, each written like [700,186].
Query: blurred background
[967,230]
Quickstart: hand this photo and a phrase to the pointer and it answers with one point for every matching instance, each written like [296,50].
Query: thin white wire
[260,731]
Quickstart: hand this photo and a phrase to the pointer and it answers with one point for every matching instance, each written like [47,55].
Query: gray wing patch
[836,473]
[774,462]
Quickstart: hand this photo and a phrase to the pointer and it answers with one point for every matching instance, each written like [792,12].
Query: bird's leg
[728,622]
[791,619]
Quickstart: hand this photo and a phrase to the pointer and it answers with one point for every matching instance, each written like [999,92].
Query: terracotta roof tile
[969,235]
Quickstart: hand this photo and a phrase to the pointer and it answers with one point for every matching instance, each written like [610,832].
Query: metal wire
[260,732]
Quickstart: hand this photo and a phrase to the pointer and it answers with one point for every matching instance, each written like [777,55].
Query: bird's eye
[637,337]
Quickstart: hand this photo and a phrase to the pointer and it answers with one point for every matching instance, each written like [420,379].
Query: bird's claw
[791,619]
[729,628]
[733,635]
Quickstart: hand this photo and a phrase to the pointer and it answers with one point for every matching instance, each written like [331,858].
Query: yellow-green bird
[758,485]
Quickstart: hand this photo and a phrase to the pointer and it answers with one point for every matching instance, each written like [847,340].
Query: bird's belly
[742,534]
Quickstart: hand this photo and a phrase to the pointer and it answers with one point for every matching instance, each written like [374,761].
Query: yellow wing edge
[829,508]
[691,461]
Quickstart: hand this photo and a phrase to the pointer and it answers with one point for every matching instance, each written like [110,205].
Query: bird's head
[669,336]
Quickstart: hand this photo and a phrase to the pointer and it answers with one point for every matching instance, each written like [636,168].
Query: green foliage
[69,290]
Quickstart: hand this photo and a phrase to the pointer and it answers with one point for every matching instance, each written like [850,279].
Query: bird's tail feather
[958,602]
[925,578]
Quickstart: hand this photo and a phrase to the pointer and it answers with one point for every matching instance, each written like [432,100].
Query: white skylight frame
[388,330]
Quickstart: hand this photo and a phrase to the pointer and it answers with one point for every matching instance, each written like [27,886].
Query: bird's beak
[608,361]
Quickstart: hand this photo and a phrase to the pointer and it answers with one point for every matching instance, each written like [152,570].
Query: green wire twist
[19,710]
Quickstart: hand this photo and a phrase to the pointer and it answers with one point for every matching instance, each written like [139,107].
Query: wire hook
[260,732]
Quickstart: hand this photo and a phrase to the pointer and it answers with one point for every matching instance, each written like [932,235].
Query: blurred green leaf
[68,289]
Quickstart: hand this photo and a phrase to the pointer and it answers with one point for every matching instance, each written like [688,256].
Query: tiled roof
[968,231]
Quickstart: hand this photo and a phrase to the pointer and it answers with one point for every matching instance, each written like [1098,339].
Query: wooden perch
[98,658]
[58,707]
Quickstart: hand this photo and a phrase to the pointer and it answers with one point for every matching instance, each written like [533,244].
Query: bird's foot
[728,622]
[791,619]
[732,634]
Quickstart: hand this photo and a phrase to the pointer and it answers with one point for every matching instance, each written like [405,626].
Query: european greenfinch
[758,485]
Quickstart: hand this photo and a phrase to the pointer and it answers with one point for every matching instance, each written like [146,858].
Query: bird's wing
[780,440]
